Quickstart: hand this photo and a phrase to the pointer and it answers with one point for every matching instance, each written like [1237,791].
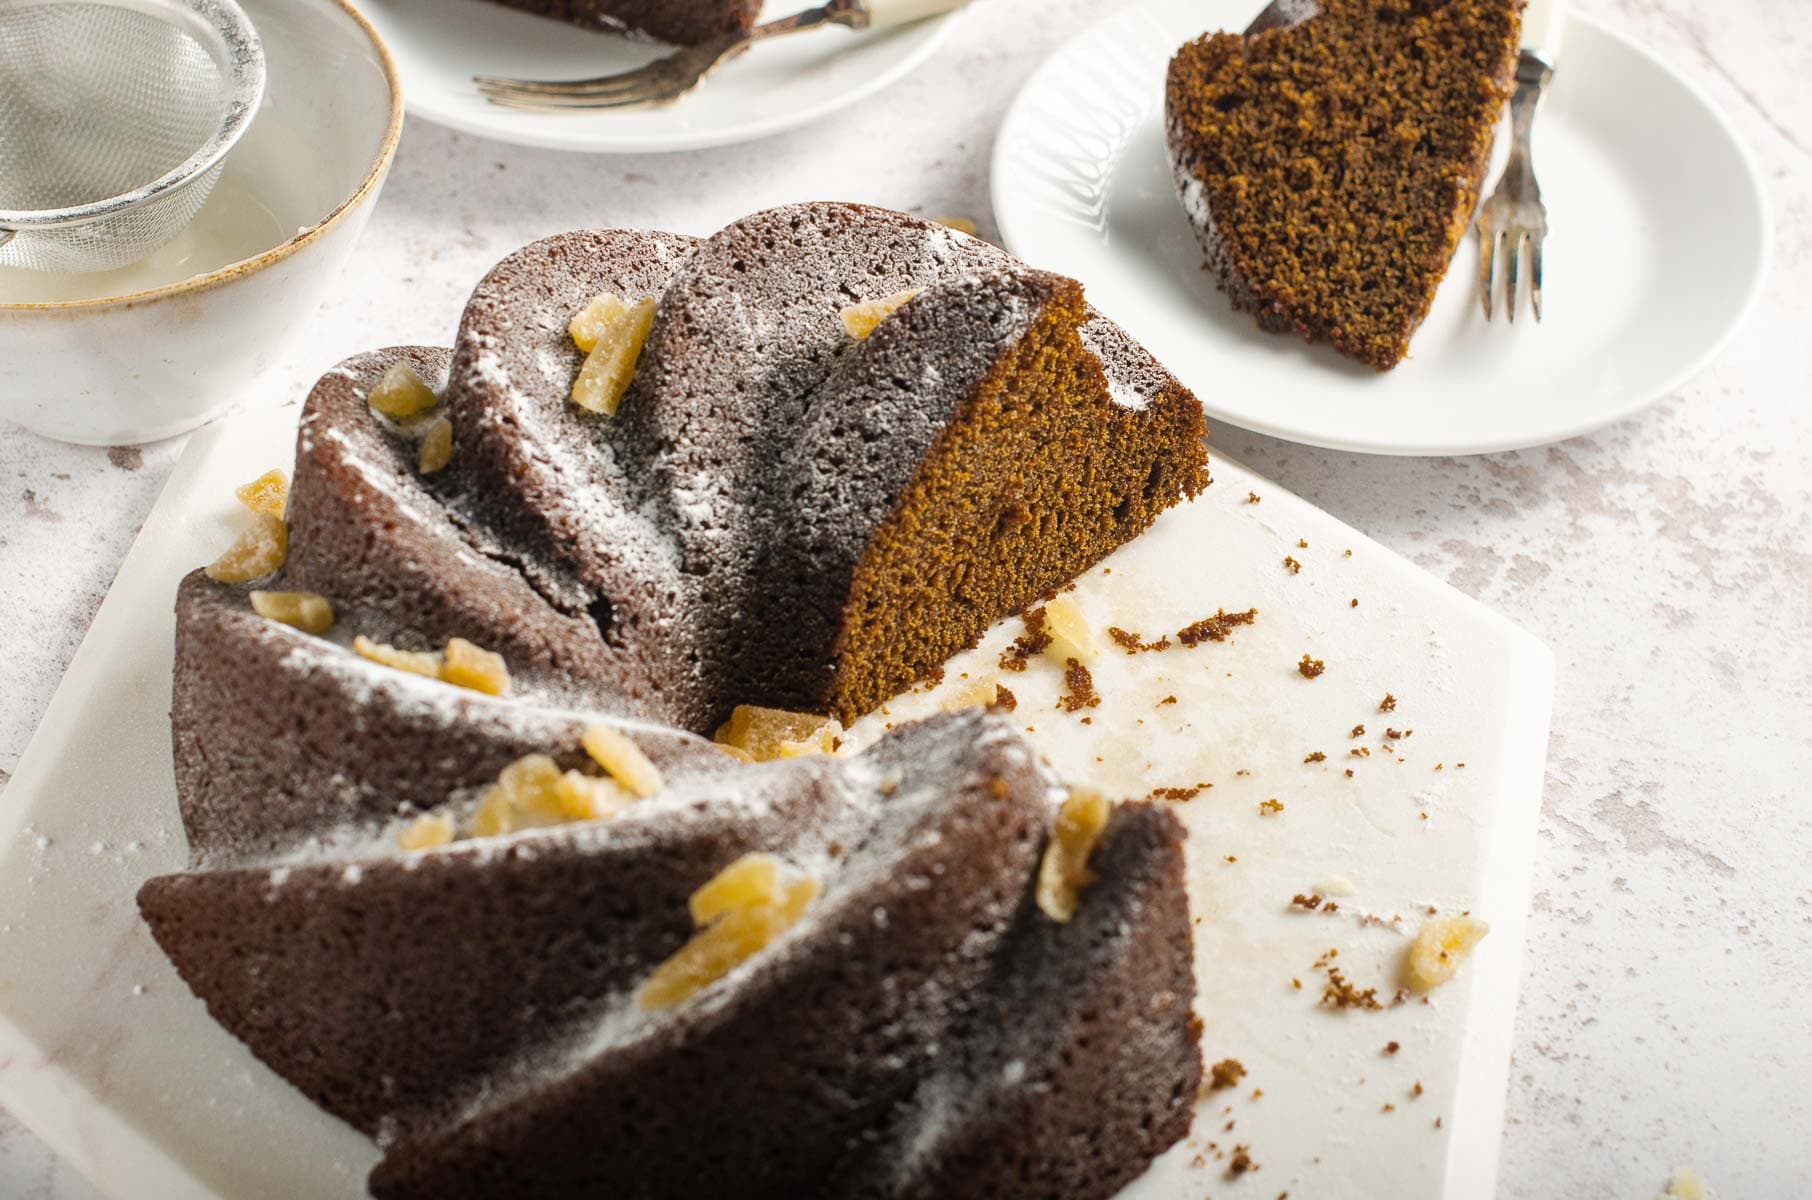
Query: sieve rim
[220,26]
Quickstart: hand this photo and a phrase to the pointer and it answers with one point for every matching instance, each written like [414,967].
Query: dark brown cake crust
[1331,157]
[682,22]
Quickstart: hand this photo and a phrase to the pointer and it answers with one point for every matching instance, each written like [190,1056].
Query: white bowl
[157,348]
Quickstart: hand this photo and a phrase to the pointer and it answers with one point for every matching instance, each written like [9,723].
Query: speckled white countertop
[1668,561]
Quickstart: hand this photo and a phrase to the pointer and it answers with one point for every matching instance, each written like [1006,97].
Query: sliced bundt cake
[463,871]
[682,22]
[1330,158]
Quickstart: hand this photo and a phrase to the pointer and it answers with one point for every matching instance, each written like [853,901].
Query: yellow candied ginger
[258,552]
[766,734]
[266,494]
[436,449]
[462,664]
[739,912]
[861,319]
[1439,947]
[416,662]
[468,666]
[1071,636]
[308,611]
[427,832]
[401,392]
[623,759]
[533,793]
[1063,873]
[611,331]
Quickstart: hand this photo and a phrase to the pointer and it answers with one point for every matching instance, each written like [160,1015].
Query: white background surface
[1668,561]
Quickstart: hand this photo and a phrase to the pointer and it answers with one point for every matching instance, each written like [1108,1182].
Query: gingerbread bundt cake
[1330,158]
[682,22]
[464,869]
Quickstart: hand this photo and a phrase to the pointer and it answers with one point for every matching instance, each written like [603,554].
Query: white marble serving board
[106,1055]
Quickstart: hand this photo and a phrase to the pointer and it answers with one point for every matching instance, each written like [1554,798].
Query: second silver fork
[1515,216]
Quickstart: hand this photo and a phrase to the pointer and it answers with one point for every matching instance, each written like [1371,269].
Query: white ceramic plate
[119,1068]
[1658,247]
[441,44]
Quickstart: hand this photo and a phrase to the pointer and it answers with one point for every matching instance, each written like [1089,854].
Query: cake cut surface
[1330,158]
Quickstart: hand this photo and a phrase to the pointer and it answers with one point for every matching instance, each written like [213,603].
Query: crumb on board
[1027,645]
[1291,565]
[1310,668]
[1079,687]
[1315,756]
[1388,704]
[1358,731]
[1240,1162]
[1215,628]
[1252,497]
[1225,1074]
[1166,700]
[1268,807]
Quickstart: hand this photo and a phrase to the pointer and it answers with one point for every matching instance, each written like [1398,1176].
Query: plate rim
[1761,213]
[537,131]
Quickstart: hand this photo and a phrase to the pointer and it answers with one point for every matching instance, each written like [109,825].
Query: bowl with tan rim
[164,345]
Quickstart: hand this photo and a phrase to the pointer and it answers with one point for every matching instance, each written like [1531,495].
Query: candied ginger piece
[585,797]
[623,759]
[739,913]
[495,816]
[1439,947]
[401,392]
[767,734]
[589,323]
[436,450]
[416,662]
[426,832]
[266,494]
[308,611]
[469,666]
[862,318]
[259,551]
[1071,636]
[981,693]
[1063,874]
[611,363]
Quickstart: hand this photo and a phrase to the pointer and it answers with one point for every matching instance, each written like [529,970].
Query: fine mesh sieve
[115,119]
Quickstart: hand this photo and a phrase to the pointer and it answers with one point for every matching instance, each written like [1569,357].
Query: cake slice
[1330,158]
[682,22]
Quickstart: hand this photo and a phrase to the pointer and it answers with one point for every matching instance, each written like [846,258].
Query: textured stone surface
[1668,561]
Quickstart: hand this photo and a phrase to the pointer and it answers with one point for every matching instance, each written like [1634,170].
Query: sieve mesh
[110,117]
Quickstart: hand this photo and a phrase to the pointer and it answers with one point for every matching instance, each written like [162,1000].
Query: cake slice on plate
[1330,158]
[682,22]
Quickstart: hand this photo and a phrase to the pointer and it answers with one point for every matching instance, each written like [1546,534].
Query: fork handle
[891,14]
[1543,23]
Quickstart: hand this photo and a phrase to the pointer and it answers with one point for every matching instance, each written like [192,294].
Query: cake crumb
[1354,603]
[1310,668]
[1134,643]
[1215,628]
[1004,699]
[1415,1090]
[1252,497]
[1028,644]
[1166,700]
[1309,903]
[1080,687]
[1392,1047]
[1358,731]
[1291,565]
[1388,704]
[1316,756]
[1240,1162]
[1225,1074]
[1301,544]
[1270,806]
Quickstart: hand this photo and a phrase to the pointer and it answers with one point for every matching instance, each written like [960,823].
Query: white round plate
[439,45]
[1659,240]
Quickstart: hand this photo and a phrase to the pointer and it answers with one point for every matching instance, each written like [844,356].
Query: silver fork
[1514,214]
[667,79]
